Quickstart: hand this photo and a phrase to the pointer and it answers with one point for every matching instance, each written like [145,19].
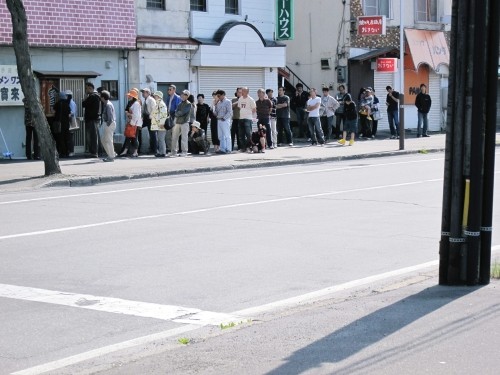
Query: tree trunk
[23,58]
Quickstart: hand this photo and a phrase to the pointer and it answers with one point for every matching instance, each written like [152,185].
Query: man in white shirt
[327,113]
[313,122]
[248,112]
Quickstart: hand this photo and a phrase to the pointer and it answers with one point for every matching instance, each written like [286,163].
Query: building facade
[71,42]
[200,45]
[426,25]
[327,50]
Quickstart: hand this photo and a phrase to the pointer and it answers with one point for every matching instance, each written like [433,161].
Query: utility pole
[465,246]
[401,126]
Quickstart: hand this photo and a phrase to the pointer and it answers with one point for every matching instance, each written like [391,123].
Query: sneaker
[308,139]
[351,142]
[107,160]
[342,141]
[183,154]
[426,135]
[393,137]
[290,144]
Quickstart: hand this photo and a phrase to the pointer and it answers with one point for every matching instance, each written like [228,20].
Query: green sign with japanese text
[284,20]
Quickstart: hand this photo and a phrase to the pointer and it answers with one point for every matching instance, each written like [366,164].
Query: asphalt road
[85,270]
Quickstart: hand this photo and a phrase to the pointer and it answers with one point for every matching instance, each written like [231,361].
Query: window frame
[232,8]
[112,87]
[377,9]
[150,4]
[198,5]
[429,12]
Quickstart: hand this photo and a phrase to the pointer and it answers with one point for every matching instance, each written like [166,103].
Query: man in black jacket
[92,106]
[423,103]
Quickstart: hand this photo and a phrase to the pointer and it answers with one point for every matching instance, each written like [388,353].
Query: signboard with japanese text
[387,65]
[371,25]
[10,86]
[284,20]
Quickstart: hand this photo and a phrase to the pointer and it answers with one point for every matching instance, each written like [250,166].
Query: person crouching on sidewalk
[259,139]
[197,140]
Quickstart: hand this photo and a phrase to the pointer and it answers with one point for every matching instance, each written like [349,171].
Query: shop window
[426,10]
[199,5]
[377,8]
[112,87]
[232,7]
[155,4]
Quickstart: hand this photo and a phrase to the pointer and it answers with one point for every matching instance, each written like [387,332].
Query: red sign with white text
[371,25]
[387,65]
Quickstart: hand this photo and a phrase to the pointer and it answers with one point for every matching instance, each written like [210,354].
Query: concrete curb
[94,180]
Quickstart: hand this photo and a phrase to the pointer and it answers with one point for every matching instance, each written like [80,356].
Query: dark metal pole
[489,146]
[477,141]
[452,242]
[401,128]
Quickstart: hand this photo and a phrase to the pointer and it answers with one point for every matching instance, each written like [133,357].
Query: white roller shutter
[228,79]
[381,81]
[435,114]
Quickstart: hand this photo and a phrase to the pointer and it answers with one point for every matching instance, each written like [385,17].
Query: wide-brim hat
[158,94]
[196,124]
[133,94]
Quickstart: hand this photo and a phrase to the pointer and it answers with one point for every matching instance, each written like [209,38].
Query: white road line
[116,305]
[213,181]
[252,312]
[91,354]
[209,209]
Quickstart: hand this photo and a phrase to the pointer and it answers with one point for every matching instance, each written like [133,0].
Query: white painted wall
[316,33]
[240,47]
[259,13]
[173,22]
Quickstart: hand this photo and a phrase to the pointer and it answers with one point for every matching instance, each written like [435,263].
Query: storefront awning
[59,74]
[381,52]
[428,47]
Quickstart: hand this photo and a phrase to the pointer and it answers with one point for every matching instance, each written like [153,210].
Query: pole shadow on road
[370,329]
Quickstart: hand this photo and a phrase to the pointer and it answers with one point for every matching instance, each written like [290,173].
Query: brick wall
[73,23]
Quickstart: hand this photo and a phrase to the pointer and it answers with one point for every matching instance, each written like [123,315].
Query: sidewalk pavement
[24,174]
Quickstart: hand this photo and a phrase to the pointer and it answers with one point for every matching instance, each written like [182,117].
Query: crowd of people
[178,125]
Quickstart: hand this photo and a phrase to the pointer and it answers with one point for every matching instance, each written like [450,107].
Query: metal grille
[155,4]
[77,86]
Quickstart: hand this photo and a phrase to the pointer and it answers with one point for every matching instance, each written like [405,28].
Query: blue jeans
[301,116]
[422,118]
[393,118]
[245,133]
[327,126]
[315,130]
[283,124]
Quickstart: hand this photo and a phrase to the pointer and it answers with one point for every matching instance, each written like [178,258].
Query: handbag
[130,131]
[169,122]
[377,115]
[55,127]
[73,124]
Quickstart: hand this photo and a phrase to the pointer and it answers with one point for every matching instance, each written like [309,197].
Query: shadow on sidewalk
[370,329]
